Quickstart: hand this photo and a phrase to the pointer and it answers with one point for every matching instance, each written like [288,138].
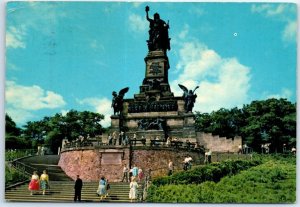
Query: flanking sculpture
[189,98]
[158,33]
[117,101]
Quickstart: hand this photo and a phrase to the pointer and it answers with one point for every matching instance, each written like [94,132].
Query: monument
[155,111]
[153,114]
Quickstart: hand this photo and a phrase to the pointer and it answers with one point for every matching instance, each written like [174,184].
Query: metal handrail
[23,168]
[145,187]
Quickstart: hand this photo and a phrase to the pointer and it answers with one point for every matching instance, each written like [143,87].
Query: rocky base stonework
[91,164]
[157,160]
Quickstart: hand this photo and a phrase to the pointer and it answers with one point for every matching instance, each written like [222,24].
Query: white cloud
[184,32]
[15,37]
[290,31]
[64,112]
[269,9]
[223,82]
[285,93]
[137,4]
[137,23]
[20,116]
[31,98]
[280,12]
[197,11]
[101,106]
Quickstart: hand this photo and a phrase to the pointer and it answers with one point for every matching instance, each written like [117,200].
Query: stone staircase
[63,191]
[62,186]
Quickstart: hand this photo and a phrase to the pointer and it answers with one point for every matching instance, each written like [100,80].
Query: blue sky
[72,55]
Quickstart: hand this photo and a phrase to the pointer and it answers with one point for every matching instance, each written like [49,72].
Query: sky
[72,55]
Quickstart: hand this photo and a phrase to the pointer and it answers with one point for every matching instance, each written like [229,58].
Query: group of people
[135,172]
[122,139]
[38,183]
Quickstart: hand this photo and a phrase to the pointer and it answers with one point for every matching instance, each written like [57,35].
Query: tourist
[114,135]
[140,175]
[134,139]
[209,156]
[185,163]
[170,167]
[157,141]
[78,187]
[168,143]
[205,158]
[121,137]
[107,187]
[125,140]
[43,150]
[293,150]
[197,146]
[34,184]
[44,181]
[135,171]
[189,159]
[133,189]
[110,139]
[102,188]
[240,151]
[125,174]
[39,150]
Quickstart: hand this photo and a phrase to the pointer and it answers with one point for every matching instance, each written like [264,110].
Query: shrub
[271,182]
[212,172]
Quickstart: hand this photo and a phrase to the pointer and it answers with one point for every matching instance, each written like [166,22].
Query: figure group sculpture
[189,98]
[117,101]
[152,124]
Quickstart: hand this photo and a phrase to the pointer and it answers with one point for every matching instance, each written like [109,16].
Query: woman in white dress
[133,189]
[102,188]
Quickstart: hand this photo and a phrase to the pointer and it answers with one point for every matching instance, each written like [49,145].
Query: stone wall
[91,164]
[217,143]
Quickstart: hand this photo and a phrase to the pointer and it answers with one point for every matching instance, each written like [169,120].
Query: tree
[268,121]
[11,127]
[52,130]
[13,138]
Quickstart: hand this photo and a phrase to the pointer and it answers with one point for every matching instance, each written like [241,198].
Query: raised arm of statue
[147,15]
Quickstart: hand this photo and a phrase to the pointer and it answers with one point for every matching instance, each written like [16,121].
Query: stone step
[64,192]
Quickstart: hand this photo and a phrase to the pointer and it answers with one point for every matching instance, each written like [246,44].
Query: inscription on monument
[111,159]
[155,68]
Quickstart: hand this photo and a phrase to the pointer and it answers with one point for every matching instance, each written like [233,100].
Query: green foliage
[13,140]
[13,176]
[11,127]
[51,130]
[269,121]
[212,172]
[14,154]
[271,182]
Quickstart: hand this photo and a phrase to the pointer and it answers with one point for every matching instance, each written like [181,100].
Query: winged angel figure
[189,98]
[117,101]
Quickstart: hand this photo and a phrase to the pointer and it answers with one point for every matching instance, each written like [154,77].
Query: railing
[134,143]
[145,187]
[23,168]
